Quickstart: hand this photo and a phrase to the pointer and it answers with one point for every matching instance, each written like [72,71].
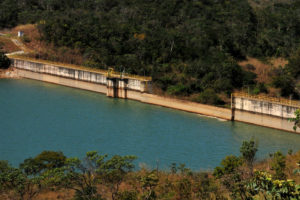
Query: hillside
[195,50]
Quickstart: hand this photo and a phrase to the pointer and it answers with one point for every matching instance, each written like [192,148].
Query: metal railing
[267,98]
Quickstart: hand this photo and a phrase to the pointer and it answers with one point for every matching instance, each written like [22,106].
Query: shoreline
[9,73]
[183,105]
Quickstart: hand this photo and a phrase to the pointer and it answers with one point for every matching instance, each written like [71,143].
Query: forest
[190,48]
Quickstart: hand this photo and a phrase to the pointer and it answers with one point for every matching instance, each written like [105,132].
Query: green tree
[149,182]
[233,174]
[9,13]
[4,61]
[278,165]
[81,176]
[46,160]
[285,81]
[114,171]
[248,151]
[296,119]
[15,183]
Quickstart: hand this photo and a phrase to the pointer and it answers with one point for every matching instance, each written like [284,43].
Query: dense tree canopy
[187,46]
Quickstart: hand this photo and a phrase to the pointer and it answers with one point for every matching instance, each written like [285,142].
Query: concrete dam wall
[116,86]
[245,108]
[277,107]
[264,111]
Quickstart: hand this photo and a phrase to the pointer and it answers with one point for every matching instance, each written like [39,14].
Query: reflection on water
[38,116]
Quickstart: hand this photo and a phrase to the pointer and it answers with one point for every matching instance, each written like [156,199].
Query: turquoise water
[36,116]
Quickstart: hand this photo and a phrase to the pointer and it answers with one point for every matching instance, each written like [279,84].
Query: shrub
[127,195]
[209,96]
[178,89]
[250,67]
[4,61]
[26,39]
[278,165]
[184,189]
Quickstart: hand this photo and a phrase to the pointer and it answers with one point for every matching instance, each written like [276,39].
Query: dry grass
[291,165]
[39,51]
[263,69]
[7,46]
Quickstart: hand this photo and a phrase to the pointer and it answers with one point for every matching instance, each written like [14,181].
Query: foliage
[4,61]
[260,88]
[232,177]
[15,183]
[278,165]
[81,175]
[243,185]
[114,170]
[284,80]
[184,189]
[229,166]
[293,66]
[188,47]
[149,182]
[233,174]
[97,176]
[203,187]
[263,183]
[248,151]
[296,120]
[127,195]
[209,96]
[46,160]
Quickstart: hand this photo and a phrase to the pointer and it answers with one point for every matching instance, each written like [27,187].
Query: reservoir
[37,116]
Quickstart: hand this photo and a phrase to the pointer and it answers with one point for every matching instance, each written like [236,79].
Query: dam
[108,82]
[254,109]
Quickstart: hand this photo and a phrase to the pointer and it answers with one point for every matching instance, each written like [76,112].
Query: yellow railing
[262,97]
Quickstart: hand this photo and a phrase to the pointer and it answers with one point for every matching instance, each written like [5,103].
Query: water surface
[37,116]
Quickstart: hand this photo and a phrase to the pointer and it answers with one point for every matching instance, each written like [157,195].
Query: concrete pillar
[111,87]
[116,87]
[232,107]
[122,88]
